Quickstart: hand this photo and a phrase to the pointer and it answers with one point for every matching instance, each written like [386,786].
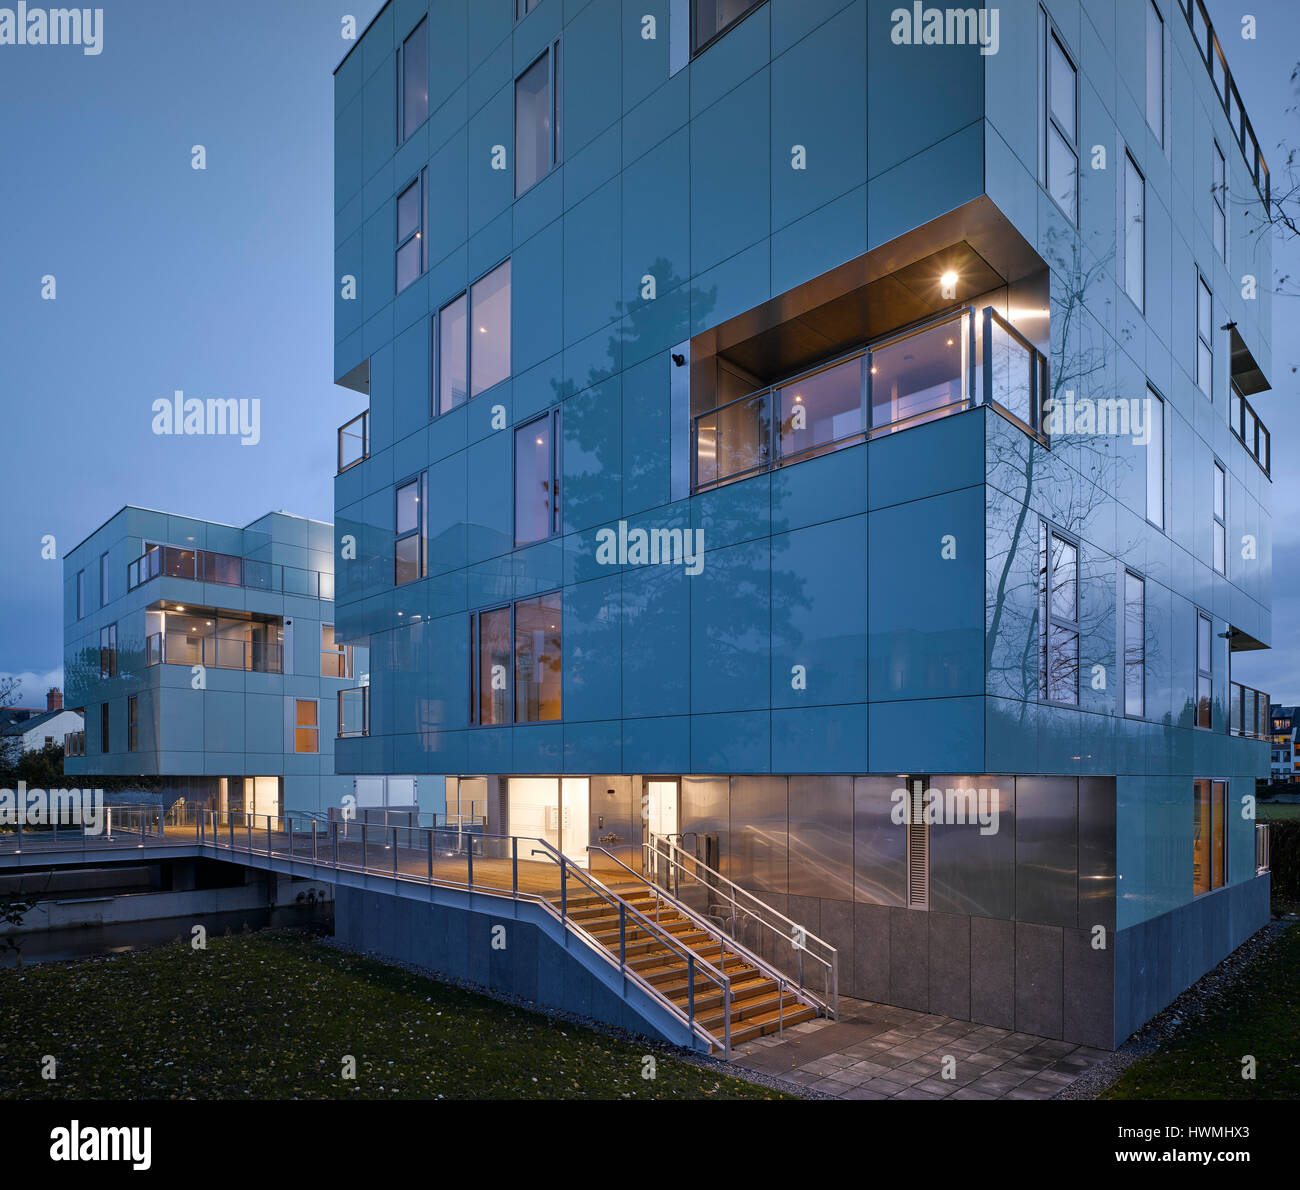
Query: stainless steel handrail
[780,978]
[798,937]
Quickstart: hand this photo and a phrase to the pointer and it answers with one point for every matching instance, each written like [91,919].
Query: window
[1156,71]
[524,7]
[103,579]
[515,669]
[1204,670]
[1134,238]
[1135,649]
[335,658]
[473,340]
[537,478]
[1062,128]
[108,651]
[81,594]
[918,845]
[412,244]
[132,723]
[410,549]
[537,120]
[104,743]
[1204,337]
[306,725]
[537,659]
[1059,563]
[1220,520]
[712,17]
[413,71]
[1155,459]
[1220,203]
[1209,835]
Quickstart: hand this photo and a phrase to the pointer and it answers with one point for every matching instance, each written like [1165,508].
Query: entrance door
[661,807]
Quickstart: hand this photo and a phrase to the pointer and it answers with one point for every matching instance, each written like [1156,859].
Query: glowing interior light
[948,280]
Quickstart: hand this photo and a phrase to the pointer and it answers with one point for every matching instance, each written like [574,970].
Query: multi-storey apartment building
[205,654]
[821,430]
[1282,762]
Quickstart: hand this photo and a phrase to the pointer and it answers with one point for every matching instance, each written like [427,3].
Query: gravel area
[1163,1027]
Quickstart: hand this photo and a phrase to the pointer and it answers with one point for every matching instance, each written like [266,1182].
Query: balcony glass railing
[214,652]
[1250,431]
[1247,712]
[936,368]
[354,712]
[227,570]
[354,441]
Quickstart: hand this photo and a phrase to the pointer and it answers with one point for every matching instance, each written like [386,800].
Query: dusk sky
[218,283]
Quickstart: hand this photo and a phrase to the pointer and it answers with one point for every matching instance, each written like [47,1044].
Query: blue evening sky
[219,283]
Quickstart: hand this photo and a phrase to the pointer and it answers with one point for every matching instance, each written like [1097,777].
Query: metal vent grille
[918,846]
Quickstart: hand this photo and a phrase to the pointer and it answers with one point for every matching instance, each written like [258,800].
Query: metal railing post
[564,893]
[690,989]
[363,847]
[622,939]
[514,866]
[726,1020]
[334,840]
[315,856]
[20,830]
[248,831]
[268,836]
[430,850]
[394,851]
[290,844]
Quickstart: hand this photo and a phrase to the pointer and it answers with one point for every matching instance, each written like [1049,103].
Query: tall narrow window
[537,659]
[537,120]
[408,554]
[473,337]
[335,658]
[1220,520]
[537,479]
[1135,649]
[1060,680]
[306,725]
[524,7]
[453,355]
[103,579]
[105,744]
[414,74]
[1156,71]
[1155,449]
[81,594]
[1204,337]
[490,642]
[410,233]
[1062,149]
[133,723]
[1220,211]
[1134,239]
[1209,835]
[108,651]
[1204,670]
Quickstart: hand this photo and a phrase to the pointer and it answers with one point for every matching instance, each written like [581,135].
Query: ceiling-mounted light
[948,280]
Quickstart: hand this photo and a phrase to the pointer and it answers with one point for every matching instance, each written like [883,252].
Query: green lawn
[1258,1018]
[1276,812]
[273,1015]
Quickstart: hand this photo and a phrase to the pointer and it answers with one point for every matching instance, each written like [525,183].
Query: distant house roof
[33,721]
[12,715]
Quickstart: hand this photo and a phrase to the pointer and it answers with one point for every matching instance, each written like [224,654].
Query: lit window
[306,725]
[472,333]
[1209,835]
[517,651]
